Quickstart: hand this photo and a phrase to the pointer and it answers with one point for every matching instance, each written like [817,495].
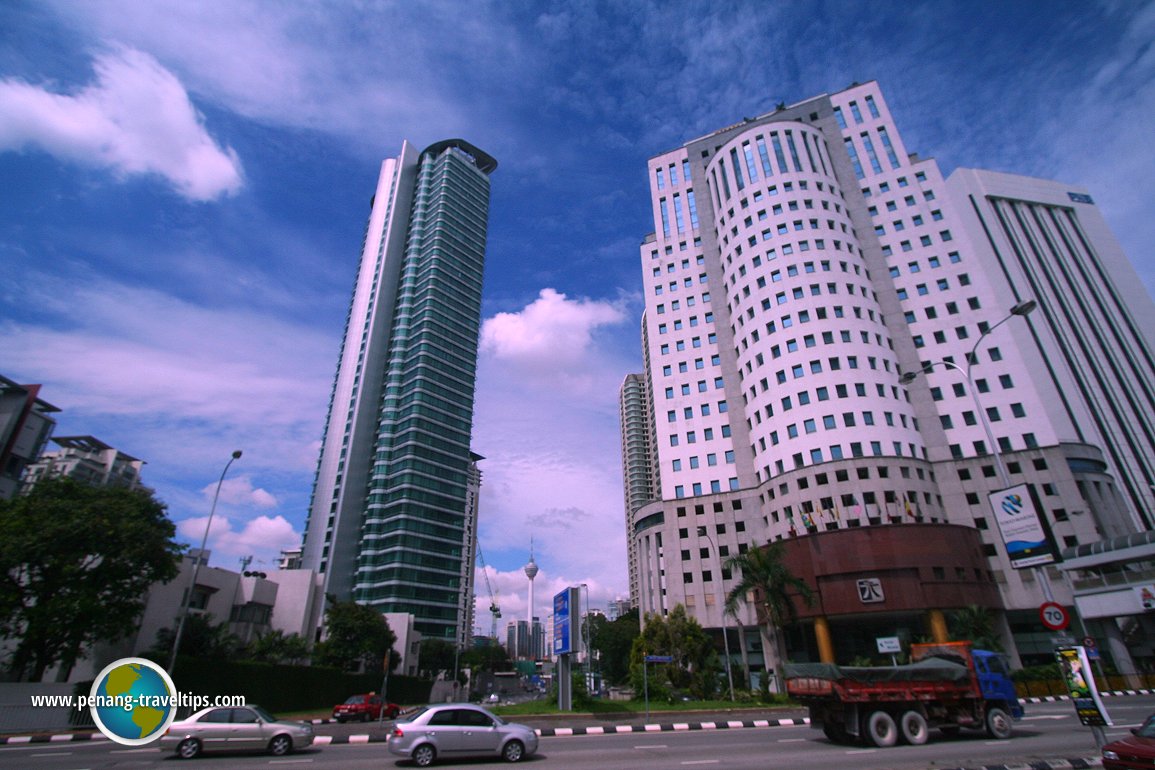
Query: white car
[451,730]
[242,728]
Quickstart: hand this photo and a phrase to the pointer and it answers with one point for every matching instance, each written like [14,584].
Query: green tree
[201,638]
[488,657]
[976,624]
[438,655]
[357,638]
[695,667]
[612,641]
[76,562]
[764,573]
[279,647]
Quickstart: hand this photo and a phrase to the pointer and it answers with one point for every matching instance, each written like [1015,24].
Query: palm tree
[765,575]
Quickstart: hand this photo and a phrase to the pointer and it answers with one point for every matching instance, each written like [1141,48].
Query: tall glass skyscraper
[392,521]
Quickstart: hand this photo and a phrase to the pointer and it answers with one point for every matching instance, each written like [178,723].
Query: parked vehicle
[244,728]
[364,708]
[452,730]
[948,686]
[1135,751]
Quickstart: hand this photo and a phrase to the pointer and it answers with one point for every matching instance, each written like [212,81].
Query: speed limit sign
[1054,616]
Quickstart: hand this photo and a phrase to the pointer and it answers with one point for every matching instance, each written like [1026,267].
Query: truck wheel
[913,727]
[836,733]
[999,724]
[880,729]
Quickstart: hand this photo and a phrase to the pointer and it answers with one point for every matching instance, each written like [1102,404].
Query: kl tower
[531,573]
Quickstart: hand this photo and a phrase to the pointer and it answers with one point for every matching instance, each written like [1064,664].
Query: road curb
[1079,763]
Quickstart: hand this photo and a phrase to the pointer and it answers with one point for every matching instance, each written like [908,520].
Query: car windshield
[355,699]
[264,715]
[1148,729]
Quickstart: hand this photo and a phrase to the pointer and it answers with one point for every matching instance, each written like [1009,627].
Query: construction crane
[494,608]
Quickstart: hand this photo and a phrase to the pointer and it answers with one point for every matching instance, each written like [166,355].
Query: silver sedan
[450,730]
[244,728]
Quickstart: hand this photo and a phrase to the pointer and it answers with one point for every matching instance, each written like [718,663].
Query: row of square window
[692,435]
[695,342]
[1030,441]
[682,246]
[884,187]
[910,201]
[836,453]
[815,366]
[830,422]
[704,409]
[678,324]
[923,240]
[932,262]
[676,305]
[842,475]
[1017,410]
[792,205]
[699,363]
[804,316]
[688,282]
[942,284]
[685,265]
[697,490]
[810,341]
[798,292]
[841,391]
[711,461]
[898,225]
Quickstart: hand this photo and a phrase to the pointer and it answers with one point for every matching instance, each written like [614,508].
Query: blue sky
[184,187]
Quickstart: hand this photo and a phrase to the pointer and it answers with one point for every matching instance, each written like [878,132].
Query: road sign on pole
[1054,616]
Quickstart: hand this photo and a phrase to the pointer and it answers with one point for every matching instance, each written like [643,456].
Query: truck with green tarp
[947,686]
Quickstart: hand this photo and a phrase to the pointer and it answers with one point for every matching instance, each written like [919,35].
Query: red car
[1136,751]
[365,708]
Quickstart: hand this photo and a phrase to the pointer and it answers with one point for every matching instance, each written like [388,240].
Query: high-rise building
[393,514]
[25,426]
[841,354]
[86,459]
[637,458]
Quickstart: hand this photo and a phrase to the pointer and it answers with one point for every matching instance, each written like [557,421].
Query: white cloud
[552,339]
[240,491]
[261,537]
[135,119]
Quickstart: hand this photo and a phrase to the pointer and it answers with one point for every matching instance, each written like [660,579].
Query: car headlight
[1109,754]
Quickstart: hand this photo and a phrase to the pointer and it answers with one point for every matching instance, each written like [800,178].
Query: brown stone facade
[915,567]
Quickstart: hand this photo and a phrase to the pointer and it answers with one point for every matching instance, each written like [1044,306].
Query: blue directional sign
[659,658]
[566,621]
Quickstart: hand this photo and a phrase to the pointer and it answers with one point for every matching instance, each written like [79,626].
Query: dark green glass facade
[414,534]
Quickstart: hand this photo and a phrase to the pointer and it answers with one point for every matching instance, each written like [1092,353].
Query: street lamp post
[197,564]
[704,532]
[1020,309]
[586,638]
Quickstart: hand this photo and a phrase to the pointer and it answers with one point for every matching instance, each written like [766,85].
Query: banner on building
[1022,531]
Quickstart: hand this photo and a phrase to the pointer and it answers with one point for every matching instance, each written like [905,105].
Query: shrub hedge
[280,687]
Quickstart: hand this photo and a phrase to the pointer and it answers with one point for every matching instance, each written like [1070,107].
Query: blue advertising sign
[566,622]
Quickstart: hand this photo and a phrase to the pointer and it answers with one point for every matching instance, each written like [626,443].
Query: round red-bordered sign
[1054,616]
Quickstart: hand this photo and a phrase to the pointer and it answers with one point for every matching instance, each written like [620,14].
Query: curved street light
[1020,309]
[705,532]
[197,563]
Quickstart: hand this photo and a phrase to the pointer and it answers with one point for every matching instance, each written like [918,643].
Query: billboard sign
[1081,684]
[566,621]
[1022,531]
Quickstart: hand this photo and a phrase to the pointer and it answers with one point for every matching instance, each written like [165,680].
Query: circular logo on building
[132,701]
[1012,504]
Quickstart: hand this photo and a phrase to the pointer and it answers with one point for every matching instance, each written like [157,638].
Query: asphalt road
[1050,732]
